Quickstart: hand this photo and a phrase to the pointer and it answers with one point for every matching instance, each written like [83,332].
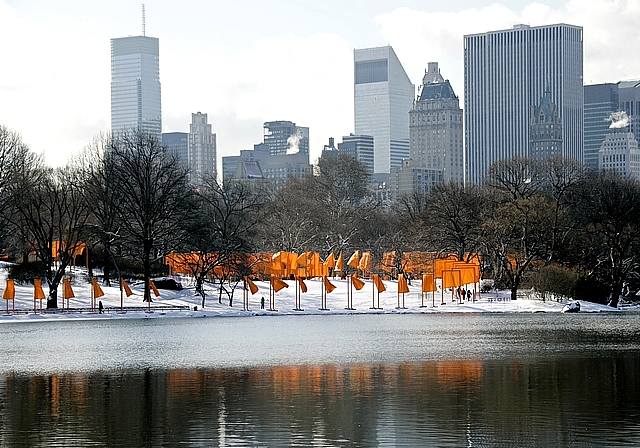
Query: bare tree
[223,228]
[153,197]
[48,203]
[103,200]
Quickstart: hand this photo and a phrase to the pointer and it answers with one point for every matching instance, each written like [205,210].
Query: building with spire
[135,84]
[545,129]
[435,127]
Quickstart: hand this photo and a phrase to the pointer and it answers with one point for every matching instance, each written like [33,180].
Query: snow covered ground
[285,302]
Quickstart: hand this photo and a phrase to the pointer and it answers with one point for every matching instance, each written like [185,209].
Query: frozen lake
[414,380]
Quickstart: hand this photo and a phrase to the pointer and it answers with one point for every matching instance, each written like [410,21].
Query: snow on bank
[285,303]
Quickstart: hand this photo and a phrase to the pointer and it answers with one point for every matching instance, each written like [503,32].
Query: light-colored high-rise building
[435,128]
[383,95]
[619,152]
[135,85]
[202,150]
[505,74]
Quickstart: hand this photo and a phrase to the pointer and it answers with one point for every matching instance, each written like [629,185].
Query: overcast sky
[249,61]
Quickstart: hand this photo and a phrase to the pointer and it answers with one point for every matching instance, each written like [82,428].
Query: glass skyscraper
[135,85]
[600,101]
[383,96]
[506,73]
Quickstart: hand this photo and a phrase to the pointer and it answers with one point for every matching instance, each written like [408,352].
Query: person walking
[100,307]
[262,303]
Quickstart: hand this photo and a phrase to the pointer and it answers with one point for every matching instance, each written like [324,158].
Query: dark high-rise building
[506,73]
[359,147]
[177,144]
[545,132]
[284,137]
[600,101]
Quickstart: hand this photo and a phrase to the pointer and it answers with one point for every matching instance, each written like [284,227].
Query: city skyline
[241,78]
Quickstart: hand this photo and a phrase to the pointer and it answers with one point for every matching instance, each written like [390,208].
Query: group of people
[461,293]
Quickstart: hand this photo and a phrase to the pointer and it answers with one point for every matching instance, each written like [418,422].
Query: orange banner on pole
[379,283]
[330,261]
[403,287]
[252,286]
[451,278]
[277,284]
[340,263]
[38,293]
[303,285]
[97,290]
[354,260]
[328,286]
[428,285]
[356,282]
[365,262]
[126,288]
[67,289]
[153,288]
[10,291]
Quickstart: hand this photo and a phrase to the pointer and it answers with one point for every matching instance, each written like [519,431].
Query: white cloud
[611,38]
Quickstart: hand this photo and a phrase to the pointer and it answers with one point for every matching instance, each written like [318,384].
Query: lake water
[509,380]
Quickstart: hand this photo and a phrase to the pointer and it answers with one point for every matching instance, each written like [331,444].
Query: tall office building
[135,85]
[619,151]
[359,147]
[177,144]
[285,137]
[435,128]
[505,74]
[383,95]
[202,150]
[600,101]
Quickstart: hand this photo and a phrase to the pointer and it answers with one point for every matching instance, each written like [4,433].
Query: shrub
[24,273]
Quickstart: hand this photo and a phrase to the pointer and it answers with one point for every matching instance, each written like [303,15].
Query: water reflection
[590,401]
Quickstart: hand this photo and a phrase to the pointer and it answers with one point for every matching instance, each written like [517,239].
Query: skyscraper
[600,101]
[383,95]
[135,85]
[505,74]
[202,150]
[177,144]
[435,128]
[359,147]
[619,151]
[282,137]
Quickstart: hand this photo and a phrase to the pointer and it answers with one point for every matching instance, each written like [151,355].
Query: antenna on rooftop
[144,33]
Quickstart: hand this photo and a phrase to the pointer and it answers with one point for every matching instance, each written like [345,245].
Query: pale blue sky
[245,62]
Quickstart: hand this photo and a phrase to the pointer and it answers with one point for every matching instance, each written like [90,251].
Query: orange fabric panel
[403,287]
[316,261]
[428,284]
[127,289]
[330,262]
[292,263]
[365,262]
[379,283]
[340,263]
[470,272]
[354,260]
[277,284]
[328,286]
[38,293]
[303,285]
[153,288]
[451,278]
[67,289]
[252,286]
[443,264]
[388,261]
[302,260]
[10,291]
[356,282]
[97,290]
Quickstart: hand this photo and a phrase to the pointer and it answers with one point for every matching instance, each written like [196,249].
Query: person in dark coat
[100,307]
[262,303]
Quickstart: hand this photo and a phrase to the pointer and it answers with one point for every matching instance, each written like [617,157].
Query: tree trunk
[614,294]
[52,300]
[514,293]
[146,261]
